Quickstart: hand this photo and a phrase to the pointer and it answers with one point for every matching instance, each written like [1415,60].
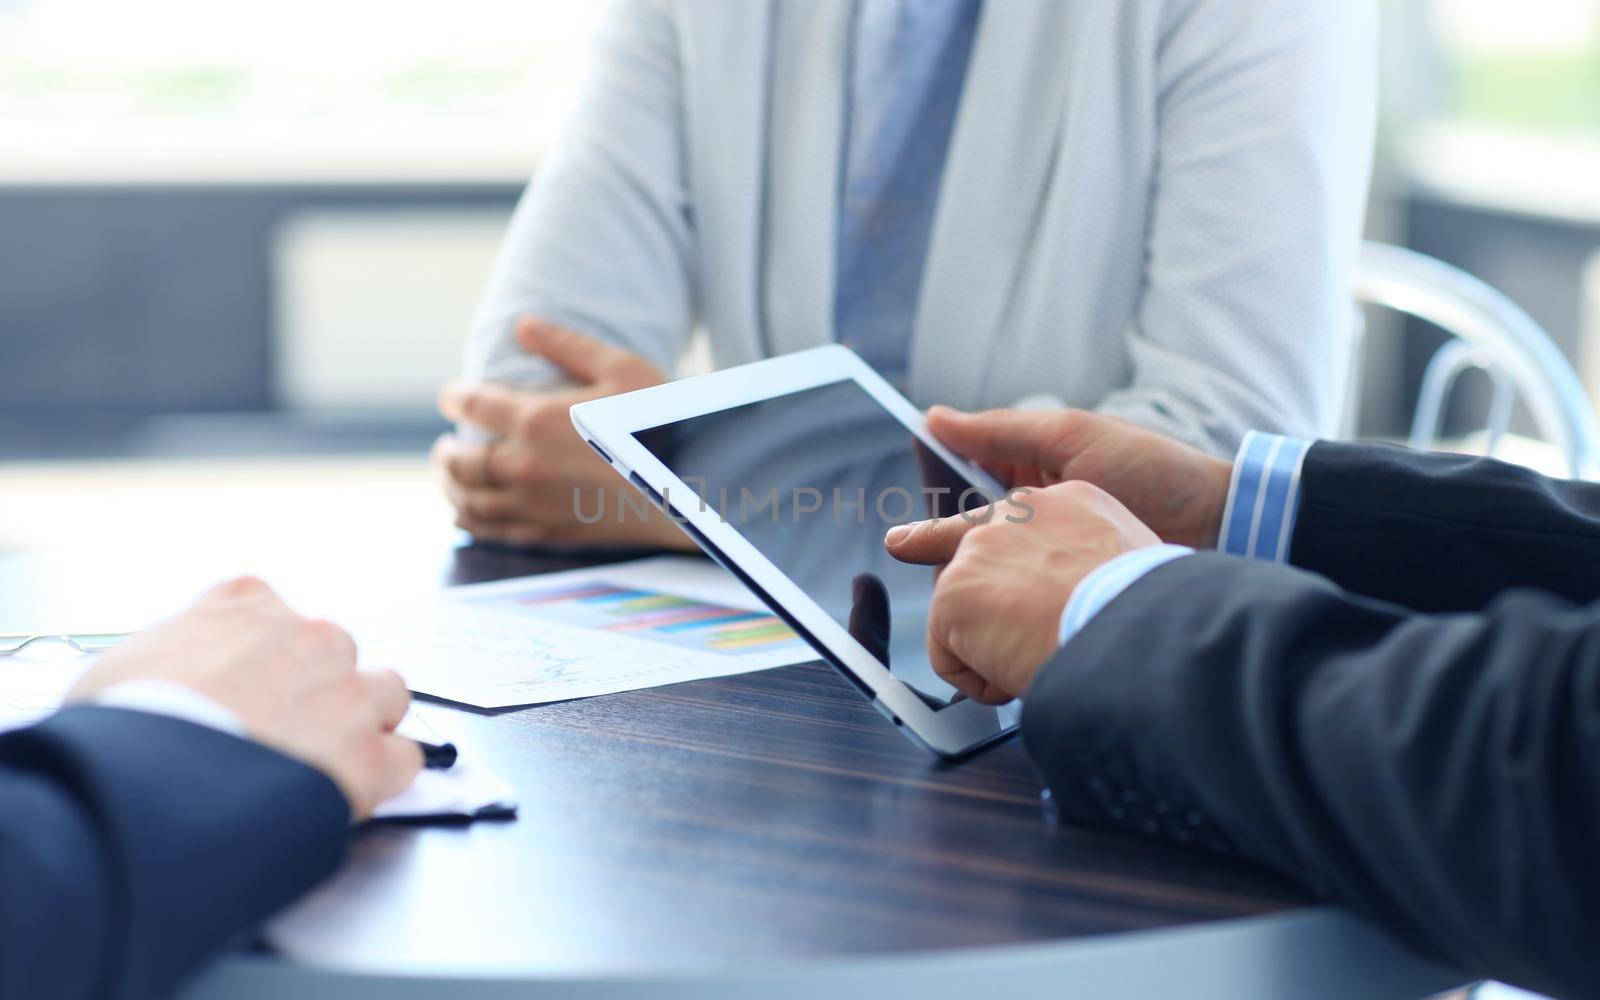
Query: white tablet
[788,472]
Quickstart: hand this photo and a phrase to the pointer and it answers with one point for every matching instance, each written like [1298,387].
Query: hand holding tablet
[789,472]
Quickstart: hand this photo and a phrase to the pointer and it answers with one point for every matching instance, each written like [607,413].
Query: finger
[400,761]
[515,504]
[547,422]
[515,533]
[560,399]
[1027,477]
[958,675]
[488,405]
[1003,473]
[444,446]
[584,357]
[1004,437]
[449,399]
[932,542]
[388,693]
[467,465]
[490,504]
[869,615]
[397,762]
[480,466]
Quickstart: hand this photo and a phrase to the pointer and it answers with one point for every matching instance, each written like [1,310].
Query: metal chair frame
[1492,334]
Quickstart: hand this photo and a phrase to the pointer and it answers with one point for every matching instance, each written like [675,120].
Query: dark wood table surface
[766,815]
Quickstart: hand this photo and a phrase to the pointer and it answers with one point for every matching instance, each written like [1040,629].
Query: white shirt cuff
[173,700]
[1103,585]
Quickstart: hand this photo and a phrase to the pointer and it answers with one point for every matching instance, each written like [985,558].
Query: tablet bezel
[610,425]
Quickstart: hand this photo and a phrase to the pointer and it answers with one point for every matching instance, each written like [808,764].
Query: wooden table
[764,815]
[745,823]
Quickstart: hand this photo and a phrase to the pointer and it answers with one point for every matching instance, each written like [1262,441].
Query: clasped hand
[522,487]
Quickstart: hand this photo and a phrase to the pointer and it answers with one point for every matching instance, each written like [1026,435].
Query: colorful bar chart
[662,617]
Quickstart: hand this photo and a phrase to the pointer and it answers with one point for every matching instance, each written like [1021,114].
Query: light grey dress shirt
[1150,208]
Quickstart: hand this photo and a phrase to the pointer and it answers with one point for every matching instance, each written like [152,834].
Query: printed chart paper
[593,631]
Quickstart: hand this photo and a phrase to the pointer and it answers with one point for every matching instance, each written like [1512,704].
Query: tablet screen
[813,479]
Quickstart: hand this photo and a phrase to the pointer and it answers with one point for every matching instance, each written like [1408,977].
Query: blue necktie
[908,64]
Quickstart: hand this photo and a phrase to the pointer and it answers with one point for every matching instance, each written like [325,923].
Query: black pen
[437,755]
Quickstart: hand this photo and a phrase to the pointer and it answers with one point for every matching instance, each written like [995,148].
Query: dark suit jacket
[1409,722]
[132,846]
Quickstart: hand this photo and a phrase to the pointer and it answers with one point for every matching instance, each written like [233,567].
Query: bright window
[1496,102]
[1528,65]
[358,89]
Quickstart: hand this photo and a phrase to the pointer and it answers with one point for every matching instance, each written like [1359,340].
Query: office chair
[1492,334]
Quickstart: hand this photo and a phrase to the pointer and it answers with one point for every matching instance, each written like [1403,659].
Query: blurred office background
[256,229]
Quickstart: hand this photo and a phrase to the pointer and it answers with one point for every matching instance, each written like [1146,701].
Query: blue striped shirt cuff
[1103,585]
[1257,522]
[1263,497]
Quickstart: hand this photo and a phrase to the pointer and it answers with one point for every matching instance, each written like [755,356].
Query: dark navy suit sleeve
[1440,773]
[132,846]
[1440,532]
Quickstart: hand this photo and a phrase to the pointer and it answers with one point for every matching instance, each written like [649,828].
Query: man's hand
[292,681]
[996,610]
[1177,490]
[519,489]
